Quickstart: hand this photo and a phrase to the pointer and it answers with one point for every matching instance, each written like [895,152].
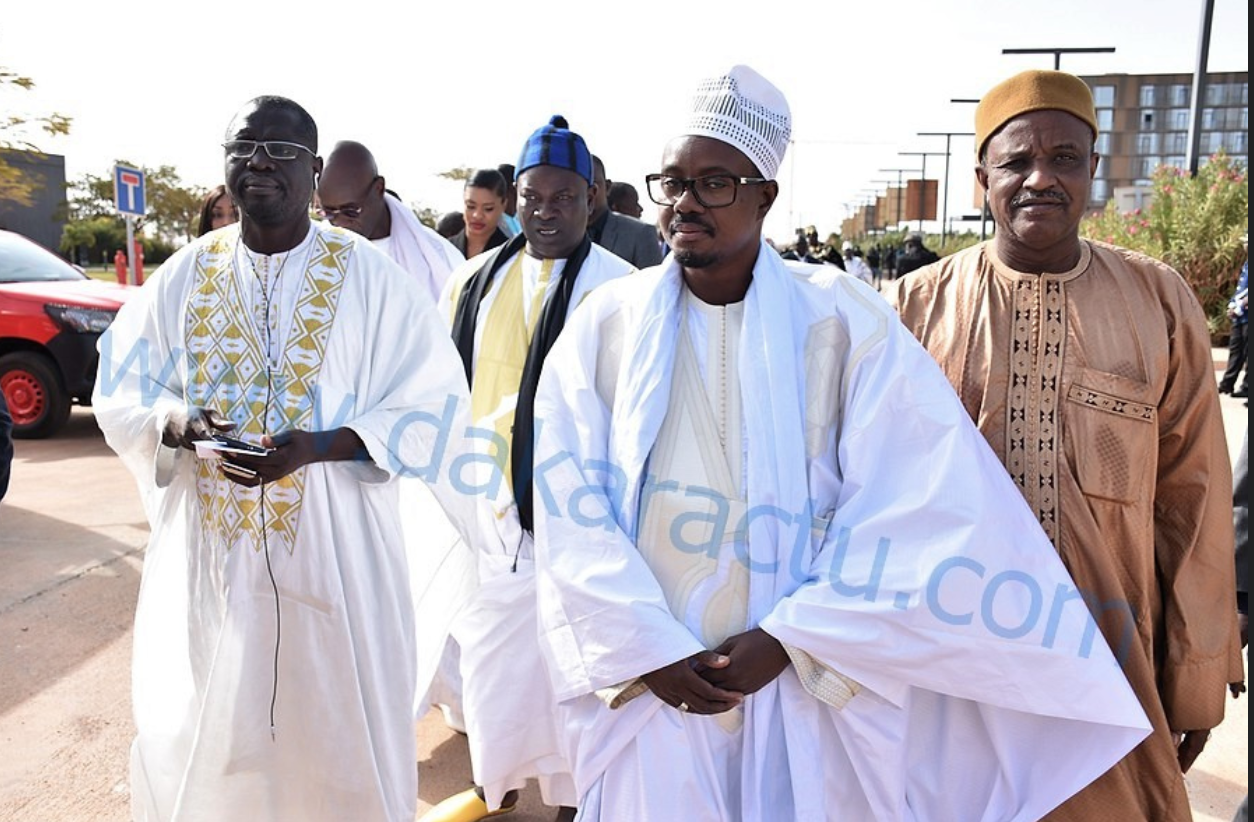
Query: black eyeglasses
[276,149]
[711,191]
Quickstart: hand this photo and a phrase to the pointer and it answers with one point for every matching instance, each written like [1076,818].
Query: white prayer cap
[742,108]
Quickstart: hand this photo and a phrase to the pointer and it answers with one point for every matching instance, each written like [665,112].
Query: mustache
[674,224]
[1039,197]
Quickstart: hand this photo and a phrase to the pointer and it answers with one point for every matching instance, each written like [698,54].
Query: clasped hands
[711,682]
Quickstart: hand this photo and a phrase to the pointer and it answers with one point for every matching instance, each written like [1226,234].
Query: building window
[1149,95]
[1147,143]
[1150,164]
[1212,118]
[1098,192]
[1179,95]
[1176,160]
[1147,119]
[1104,96]
[1216,94]
[1179,119]
[1102,146]
[1177,142]
[1212,141]
[1237,142]
[1105,119]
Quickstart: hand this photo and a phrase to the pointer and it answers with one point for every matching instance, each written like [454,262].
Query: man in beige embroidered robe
[1088,369]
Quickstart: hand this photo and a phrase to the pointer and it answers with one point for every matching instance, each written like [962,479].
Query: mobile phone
[233,444]
[238,470]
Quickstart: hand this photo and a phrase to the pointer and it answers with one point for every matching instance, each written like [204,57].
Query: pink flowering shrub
[1194,224]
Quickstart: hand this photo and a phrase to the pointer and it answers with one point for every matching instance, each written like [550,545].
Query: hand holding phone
[220,445]
[231,445]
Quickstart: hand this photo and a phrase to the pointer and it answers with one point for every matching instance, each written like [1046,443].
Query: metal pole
[946,228]
[923,181]
[1199,87]
[898,198]
[922,191]
[130,250]
[945,196]
[1059,52]
[899,171]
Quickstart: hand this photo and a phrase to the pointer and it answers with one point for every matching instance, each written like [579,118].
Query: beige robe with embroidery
[1096,389]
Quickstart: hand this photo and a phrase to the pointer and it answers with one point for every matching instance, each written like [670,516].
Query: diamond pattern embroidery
[227,371]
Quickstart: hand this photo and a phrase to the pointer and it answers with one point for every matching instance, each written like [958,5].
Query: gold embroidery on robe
[227,371]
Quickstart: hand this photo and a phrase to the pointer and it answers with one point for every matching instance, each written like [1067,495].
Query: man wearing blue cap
[507,306]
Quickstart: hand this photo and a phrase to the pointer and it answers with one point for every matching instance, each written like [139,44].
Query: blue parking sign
[128,190]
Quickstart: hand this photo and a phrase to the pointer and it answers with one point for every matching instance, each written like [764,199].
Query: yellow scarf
[502,356]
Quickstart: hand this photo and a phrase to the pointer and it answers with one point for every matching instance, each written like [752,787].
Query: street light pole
[1059,52]
[948,135]
[1199,85]
[899,171]
[882,219]
[923,178]
[983,200]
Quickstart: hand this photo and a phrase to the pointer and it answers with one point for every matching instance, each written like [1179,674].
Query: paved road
[72,533]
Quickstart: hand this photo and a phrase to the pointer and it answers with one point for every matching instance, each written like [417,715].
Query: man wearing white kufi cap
[780,573]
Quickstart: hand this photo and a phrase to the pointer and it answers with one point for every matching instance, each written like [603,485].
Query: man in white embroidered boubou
[274,651]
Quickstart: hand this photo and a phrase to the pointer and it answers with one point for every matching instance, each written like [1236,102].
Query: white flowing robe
[420,250]
[944,666]
[506,697]
[342,744]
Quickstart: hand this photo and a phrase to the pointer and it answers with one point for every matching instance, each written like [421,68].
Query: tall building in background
[1144,124]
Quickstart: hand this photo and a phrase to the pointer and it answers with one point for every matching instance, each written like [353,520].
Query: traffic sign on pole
[128,190]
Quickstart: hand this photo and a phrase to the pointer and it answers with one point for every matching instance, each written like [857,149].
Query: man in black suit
[633,240]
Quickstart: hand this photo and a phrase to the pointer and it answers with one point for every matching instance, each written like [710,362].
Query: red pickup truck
[51,315]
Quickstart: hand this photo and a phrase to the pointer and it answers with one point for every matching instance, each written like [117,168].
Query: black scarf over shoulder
[552,320]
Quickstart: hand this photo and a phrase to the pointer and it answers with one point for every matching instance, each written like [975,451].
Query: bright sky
[433,86]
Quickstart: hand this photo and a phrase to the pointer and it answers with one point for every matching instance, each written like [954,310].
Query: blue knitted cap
[555,144]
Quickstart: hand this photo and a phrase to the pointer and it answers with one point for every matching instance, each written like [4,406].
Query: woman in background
[483,203]
[217,210]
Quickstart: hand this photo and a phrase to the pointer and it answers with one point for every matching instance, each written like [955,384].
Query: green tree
[94,238]
[426,215]
[173,210]
[1193,223]
[462,173]
[16,187]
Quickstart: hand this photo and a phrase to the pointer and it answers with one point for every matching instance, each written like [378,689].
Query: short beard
[273,215]
[691,259]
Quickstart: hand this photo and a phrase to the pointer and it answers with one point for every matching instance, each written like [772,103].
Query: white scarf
[419,249]
[773,414]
